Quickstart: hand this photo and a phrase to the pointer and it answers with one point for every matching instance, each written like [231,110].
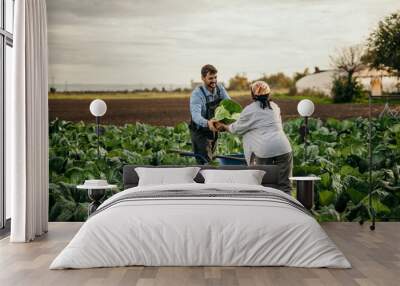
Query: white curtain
[27,124]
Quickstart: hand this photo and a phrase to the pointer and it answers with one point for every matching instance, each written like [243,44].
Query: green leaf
[228,111]
[56,164]
[326,197]
[326,181]
[231,106]
[355,196]
[348,171]
[76,175]
[221,113]
[379,206]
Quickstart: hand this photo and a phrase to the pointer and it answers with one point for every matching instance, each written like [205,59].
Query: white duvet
[200,231]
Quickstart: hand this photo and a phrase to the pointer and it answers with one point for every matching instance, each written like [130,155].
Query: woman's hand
[212,125]
[221,127]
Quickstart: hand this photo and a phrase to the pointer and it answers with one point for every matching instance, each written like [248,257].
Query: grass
[364,100]
[280,94]
[129,95]
[316,99]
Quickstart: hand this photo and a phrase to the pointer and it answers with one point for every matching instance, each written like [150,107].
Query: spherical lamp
[98,108]
[305,108]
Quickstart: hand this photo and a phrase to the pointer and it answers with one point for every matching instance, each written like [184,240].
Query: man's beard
[212,85]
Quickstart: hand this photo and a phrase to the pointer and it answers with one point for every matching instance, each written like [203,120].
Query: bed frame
[270,179]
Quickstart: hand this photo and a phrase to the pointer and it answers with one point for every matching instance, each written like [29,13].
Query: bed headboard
[131,178]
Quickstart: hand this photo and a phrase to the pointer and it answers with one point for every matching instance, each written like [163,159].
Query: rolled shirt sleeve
[196,104]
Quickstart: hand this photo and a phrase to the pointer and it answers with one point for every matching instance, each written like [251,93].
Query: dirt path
[169,112]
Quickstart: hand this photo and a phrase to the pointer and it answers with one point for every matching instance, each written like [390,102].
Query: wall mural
[144,63]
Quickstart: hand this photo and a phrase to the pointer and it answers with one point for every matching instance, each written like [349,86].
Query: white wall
[8,83]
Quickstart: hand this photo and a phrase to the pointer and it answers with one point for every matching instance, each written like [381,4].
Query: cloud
[128,41]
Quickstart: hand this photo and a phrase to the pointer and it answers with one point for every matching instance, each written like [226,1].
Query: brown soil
[169,112]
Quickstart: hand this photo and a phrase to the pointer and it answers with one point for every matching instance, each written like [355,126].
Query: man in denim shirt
[203,102]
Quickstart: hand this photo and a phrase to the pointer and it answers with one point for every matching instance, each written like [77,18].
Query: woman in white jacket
[264,141]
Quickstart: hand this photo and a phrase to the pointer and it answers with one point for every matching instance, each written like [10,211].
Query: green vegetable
[338,153]
[341,202]
[228,111]
[326,197]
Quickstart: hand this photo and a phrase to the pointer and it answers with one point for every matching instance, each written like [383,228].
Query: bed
[197,224]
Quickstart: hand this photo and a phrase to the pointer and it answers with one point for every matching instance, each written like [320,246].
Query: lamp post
[305,184]
[305,108]
[98,108]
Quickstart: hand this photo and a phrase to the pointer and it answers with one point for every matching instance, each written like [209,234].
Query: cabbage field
[338,152]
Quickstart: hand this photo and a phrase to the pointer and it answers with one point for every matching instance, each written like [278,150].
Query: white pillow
[166,176]
[248,177]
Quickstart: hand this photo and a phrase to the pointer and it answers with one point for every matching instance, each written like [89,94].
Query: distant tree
[310,92]
[239,82]
[349,60]
[299,75]
[344,90]
[293,90]
[345,86]
[278,80]
[53,89]
[383,45]
[296,77]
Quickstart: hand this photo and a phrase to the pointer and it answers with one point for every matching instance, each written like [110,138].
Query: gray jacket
[262,131]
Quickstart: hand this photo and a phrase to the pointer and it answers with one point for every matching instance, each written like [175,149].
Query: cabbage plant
[228,111]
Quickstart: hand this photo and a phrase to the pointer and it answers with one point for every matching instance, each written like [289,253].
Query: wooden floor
[375,257]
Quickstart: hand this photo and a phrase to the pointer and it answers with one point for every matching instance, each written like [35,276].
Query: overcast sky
[167,42]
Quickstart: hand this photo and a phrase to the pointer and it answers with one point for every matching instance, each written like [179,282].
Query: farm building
[322,81]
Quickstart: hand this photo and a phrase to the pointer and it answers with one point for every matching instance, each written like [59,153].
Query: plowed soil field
[168,112]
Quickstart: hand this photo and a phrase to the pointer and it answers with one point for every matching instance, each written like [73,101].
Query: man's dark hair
[208,69]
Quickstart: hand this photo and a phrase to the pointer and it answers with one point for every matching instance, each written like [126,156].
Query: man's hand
[211,125]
